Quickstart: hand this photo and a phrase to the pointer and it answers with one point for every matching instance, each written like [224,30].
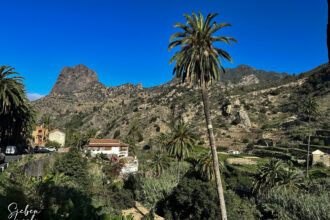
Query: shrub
[283,204]
[250,146]
[74,165]
[116,134]
[222,149]
[53,144]
[195,199]
[236,121]
[149,191]
[245,140]
[263,110]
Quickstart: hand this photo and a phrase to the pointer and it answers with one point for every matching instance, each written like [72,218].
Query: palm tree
[46,121]
[205,168]
[268,176]
[198,62]
[76,140]
[11,89]
[310,109]
[159,164]
[289,180]
[17,116]
[182,140]
[162,140]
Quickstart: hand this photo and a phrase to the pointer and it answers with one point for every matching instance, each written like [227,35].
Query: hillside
[240,113]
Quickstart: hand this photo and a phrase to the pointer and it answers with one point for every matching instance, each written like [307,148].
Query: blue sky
[126,41]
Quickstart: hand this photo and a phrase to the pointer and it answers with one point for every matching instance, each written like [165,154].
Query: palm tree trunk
[308,144]
[214,153]
[179,169]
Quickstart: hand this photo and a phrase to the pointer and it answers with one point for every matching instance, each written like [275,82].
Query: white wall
[57,136]
[114,150]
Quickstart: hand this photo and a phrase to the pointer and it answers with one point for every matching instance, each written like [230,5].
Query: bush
[53,144]
[149,191]
[195,199]
[222,149]
[245,140]
[236,121]
[250,146]
[263,110]
[283,204]
[74,165]
[116,134]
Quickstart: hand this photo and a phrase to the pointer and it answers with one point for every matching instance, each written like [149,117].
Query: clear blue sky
[126,41]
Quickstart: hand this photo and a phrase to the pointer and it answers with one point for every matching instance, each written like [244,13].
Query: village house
[321,157]
[108,147]
[40,136]
[233,152]
[57,136]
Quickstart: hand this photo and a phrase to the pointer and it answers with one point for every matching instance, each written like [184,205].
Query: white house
[57,136]
[108,147]
[233,152]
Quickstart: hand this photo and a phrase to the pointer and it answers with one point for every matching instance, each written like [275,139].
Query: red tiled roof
[106,143]
[55,130]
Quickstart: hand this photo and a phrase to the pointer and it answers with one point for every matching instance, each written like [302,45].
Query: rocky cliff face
[73,79]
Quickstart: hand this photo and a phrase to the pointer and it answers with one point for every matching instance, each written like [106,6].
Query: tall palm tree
[11,89]
[198,62]
[159,164]
[182,141]
[205,168]
[310,109]
[17,116]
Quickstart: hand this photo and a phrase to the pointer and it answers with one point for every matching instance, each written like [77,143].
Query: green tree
[198,62]
[46,121]
[275,175]
[196,199]
[17,115]
[11,89]
[54,144]
[73,165]
[182,140]
[268,176]
[205,167]
[162,140]
[135,133]
[159,164]
[310,110]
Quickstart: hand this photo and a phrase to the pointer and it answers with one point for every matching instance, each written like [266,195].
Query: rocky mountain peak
[72,79]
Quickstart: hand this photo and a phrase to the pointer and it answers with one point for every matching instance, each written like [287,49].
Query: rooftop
[106,143]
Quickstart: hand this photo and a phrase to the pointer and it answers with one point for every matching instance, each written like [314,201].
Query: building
[233,152]
[57,136]
[321,157]
[108,147]
[40,136]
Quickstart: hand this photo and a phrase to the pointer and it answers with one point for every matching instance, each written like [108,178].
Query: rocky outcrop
[244,118]
[249,80]
[73,79]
